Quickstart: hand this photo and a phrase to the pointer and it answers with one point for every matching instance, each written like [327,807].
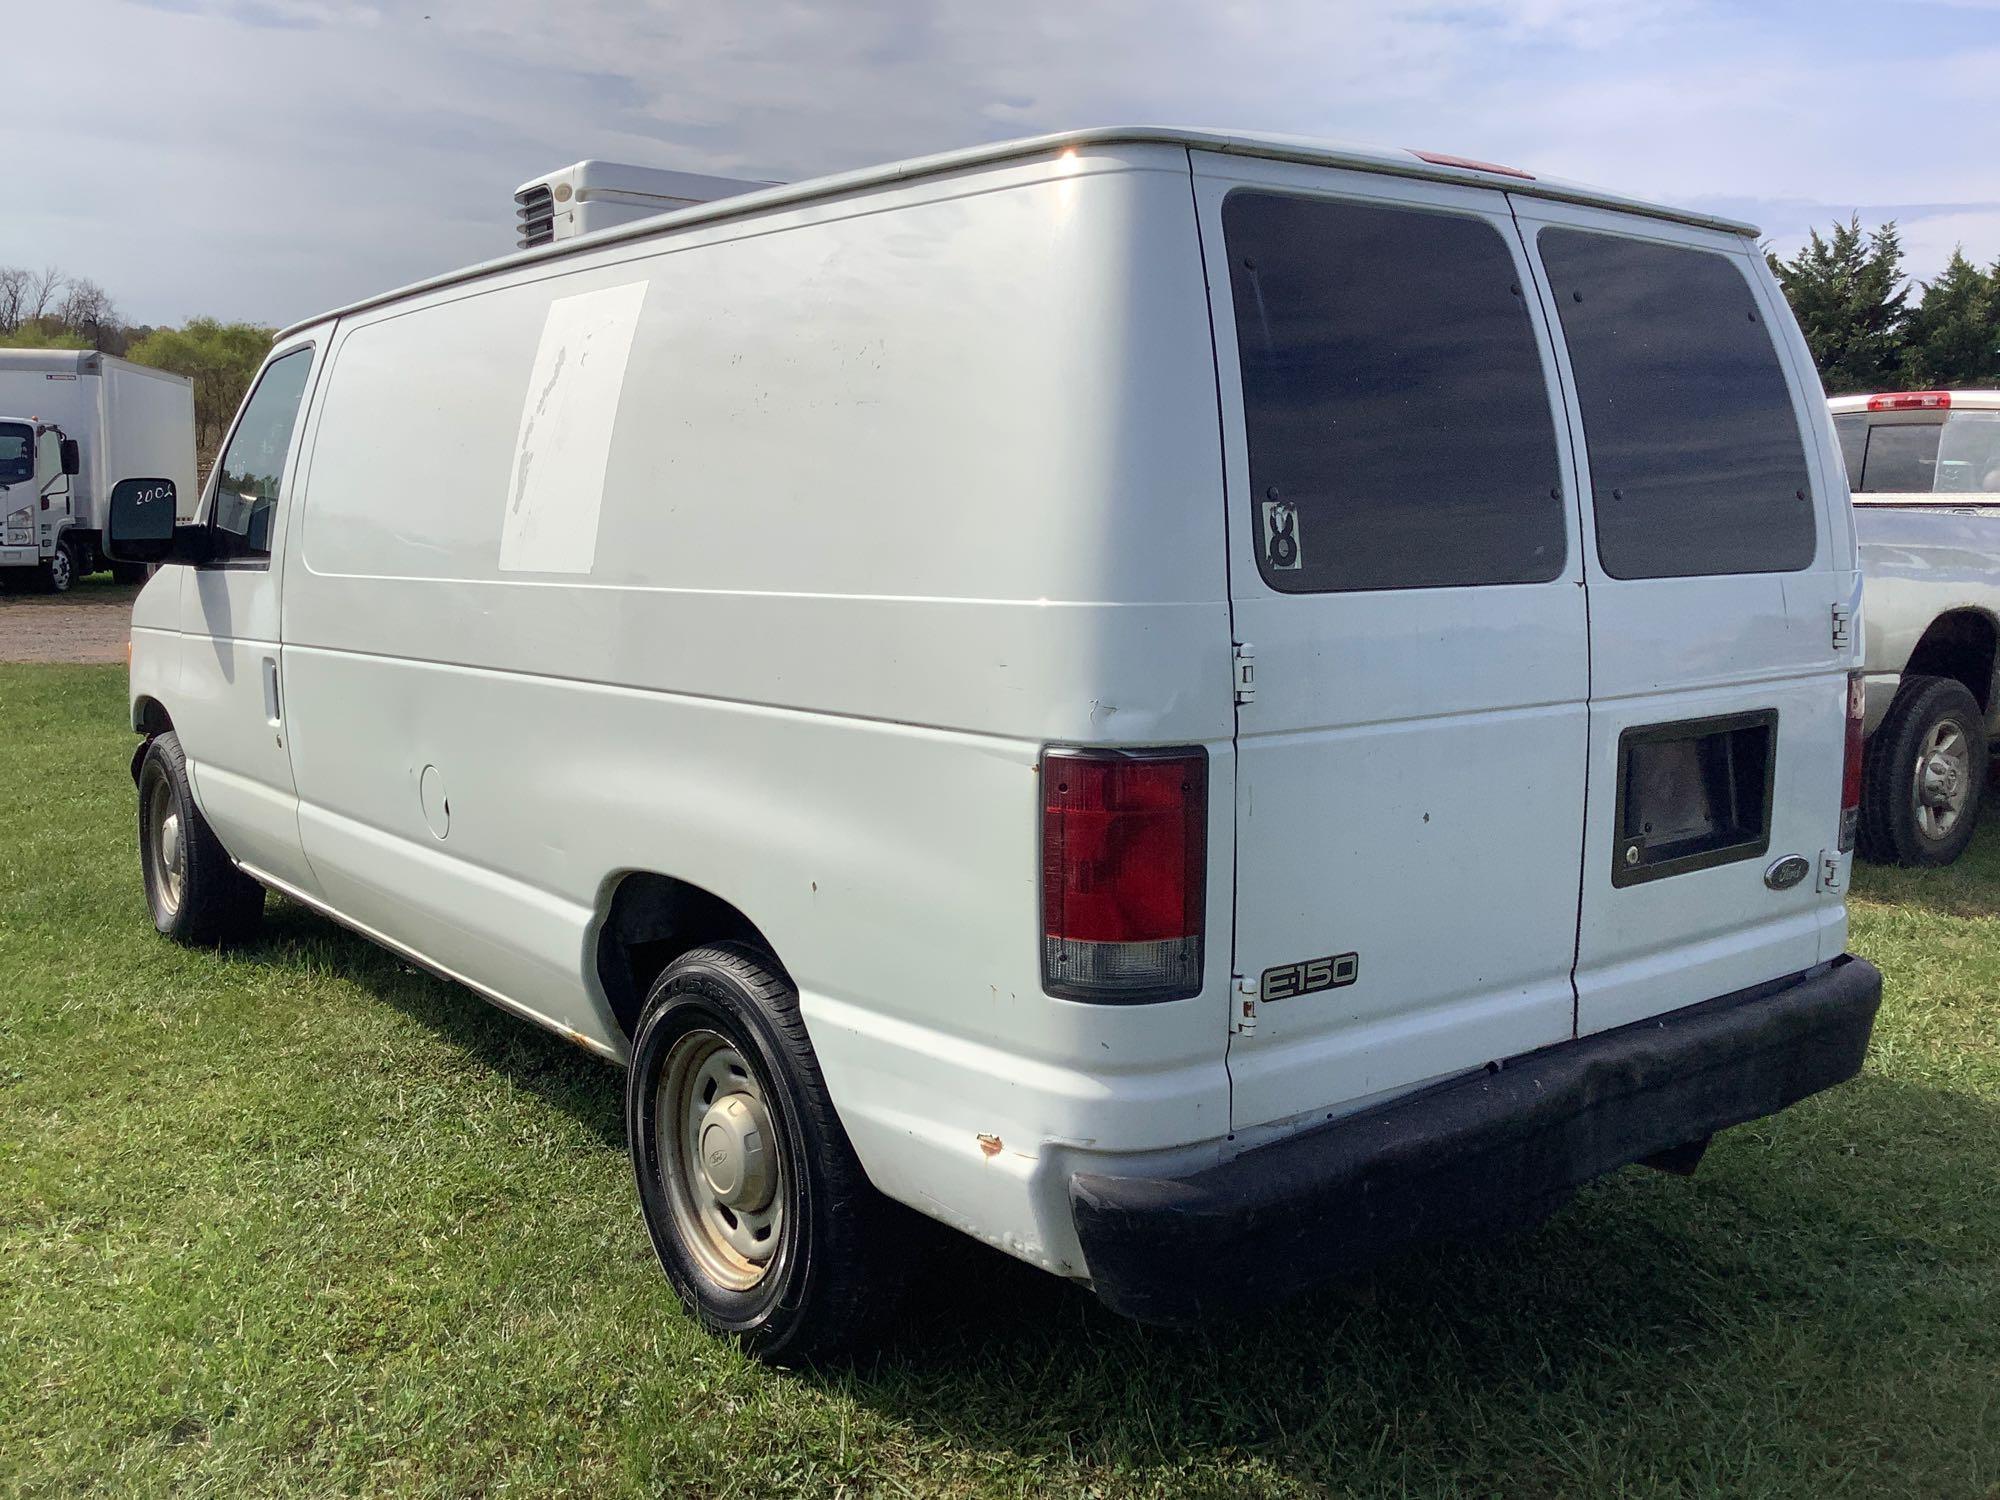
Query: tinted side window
[1398,419]
[1696,462]
[252,467]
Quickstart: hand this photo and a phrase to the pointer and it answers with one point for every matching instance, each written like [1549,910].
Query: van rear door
[1404,563]
[1718,573]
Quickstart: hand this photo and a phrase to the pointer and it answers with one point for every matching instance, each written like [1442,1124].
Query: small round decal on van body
[1785,873]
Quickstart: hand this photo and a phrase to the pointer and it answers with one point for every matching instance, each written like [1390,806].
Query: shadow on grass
[563,1075]
[1641,1296]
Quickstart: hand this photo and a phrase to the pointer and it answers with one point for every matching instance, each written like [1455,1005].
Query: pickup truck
[1924,468]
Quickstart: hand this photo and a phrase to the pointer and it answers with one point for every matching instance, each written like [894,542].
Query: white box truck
[72,424]
[801,648]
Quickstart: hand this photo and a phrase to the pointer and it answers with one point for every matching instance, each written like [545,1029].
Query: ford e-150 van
[1201,708]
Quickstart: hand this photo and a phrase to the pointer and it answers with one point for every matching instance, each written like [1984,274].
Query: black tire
[206,900]
[830,1273]
[127,572]
[60,569]
[1895,826]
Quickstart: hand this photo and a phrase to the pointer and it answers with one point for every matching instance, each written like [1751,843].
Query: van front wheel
[1923,775]
[758,1209]
[195,892]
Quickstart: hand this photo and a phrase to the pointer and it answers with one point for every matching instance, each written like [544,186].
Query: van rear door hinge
[1246,673]
[1243,1007]
[1843,626]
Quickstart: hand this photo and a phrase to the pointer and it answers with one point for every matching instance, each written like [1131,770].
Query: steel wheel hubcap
[720,1159]
[169,849]
[1943,779]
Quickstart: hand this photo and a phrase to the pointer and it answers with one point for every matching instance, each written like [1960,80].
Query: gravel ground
[90,623]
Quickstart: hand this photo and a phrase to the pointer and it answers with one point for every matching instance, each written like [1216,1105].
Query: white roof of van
[1399,162]
[1960,401]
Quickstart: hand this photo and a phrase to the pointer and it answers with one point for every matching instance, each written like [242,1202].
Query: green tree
[1953,335]
[1847,291]
[40,334]
[221,358]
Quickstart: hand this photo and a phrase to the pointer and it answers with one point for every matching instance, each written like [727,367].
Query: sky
[268,159]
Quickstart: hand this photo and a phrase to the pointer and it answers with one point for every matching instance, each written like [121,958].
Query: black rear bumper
[1497,1149]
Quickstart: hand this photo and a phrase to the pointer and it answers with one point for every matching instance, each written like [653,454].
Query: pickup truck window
[1901,458]
[1397,414]
[17,453]
[1696,461]
[252,469]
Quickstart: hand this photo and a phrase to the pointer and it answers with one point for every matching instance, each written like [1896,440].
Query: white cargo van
[1201,708]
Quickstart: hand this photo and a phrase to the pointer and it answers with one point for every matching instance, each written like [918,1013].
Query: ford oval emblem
[1787,872]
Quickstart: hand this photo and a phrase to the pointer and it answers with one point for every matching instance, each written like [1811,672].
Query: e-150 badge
[1329,973]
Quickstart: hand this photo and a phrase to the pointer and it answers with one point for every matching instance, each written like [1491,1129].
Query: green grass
[300,1220]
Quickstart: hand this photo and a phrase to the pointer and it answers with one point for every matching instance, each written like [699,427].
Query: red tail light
[1912,401]
[1124,873]
[1850,780]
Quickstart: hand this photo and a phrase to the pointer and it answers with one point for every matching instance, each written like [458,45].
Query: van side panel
[900,488]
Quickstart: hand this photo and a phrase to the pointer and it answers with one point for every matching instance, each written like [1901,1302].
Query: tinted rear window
[1398,419]
[1901,457]
[1696,463]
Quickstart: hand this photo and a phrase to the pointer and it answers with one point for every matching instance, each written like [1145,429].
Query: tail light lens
[1850,779]
[1124,873]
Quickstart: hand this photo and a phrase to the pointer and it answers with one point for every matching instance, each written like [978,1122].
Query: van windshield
[1959,455]
[17,453]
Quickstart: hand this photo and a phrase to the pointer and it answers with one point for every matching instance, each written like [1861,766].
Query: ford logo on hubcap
[1787,872]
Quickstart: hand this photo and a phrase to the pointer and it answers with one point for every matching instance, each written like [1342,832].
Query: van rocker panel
[1492,1150]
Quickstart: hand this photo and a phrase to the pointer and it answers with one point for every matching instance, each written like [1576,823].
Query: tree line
[52,309]
[1854,303]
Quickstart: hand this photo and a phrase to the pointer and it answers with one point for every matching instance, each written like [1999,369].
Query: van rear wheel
[758,1209]
[1923,775]
[195,892]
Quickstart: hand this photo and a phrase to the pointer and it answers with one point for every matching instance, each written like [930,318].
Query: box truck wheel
[60,569]
[1923,775]
[758,1209]
[197,896]
[130,572]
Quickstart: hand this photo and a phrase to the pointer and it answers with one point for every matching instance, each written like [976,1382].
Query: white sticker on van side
[557,487]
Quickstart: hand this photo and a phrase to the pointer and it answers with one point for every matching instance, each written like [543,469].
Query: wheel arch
[1959,644]
[647,920]
[150,720]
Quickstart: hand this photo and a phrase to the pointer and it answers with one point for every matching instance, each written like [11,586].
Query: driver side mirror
[72,458]
[140,526]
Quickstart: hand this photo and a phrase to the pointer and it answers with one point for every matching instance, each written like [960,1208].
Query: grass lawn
[298,1220]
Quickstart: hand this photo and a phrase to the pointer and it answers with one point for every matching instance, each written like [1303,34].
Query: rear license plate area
[1693,794]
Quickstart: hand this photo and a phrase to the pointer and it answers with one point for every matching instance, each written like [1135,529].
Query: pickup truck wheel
[757,1207]
[1923,775]
[196,894]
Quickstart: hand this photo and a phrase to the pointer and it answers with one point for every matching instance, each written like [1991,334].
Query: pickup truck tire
[196,894]
[758,1209]
[1923,775]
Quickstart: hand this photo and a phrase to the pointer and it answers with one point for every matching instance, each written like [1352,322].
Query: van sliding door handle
[271,689]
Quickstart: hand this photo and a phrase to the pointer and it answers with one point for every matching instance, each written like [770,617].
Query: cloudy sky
[265,159]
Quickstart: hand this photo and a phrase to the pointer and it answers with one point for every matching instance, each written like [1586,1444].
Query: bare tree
[13,296]
[86,308]
[44,292]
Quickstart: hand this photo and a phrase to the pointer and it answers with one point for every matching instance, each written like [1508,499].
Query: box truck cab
[1201,708]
